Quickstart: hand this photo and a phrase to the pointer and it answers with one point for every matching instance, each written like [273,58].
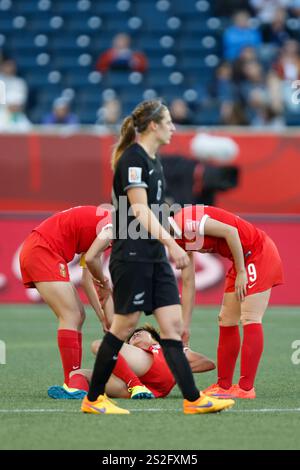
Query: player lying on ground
[141,370]
[256,268]
[43,262]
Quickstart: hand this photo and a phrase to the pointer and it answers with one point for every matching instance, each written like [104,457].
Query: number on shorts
[252,272]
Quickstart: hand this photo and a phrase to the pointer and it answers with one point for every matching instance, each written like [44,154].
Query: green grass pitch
[31,420]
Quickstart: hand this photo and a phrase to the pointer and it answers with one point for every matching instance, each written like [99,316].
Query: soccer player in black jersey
[141,274]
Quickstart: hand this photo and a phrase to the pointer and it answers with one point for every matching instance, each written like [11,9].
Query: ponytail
[127,138]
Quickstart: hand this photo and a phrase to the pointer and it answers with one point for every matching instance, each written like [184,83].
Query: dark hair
[139,120]
[150,329]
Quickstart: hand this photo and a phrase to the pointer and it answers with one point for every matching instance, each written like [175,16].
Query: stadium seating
[58,42]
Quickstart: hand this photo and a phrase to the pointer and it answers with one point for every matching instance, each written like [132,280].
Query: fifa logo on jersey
[295,357]
[2,352]
[62,270]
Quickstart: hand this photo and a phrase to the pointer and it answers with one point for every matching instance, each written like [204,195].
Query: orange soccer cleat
[216,391]
[237,392]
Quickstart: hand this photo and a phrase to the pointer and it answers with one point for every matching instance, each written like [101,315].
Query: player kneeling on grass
[256,268]
[141,370]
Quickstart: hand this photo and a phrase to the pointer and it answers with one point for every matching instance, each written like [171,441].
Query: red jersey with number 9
[259,250]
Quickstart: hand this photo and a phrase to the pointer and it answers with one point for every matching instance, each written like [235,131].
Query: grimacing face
[141,339]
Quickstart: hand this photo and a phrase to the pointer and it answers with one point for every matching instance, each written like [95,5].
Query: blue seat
[197,26]
[78,79]
[37,77]
[104,8]
[65,41]
[292,119]
[23,41]
[116,78]
[89,96]
[43,25]
[6,25]
[66,8]
[158,79]
[28,7]
[46,97]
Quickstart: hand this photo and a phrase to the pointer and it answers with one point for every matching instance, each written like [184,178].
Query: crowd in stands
[254,82]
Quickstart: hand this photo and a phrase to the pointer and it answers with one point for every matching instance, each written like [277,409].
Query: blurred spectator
[224,88]
[266,10]
[61,113]
[285,71]
[247,55]
[261,113]
[239,35]
[276,32]
[14,85]
[225,92]
[12,116]
[180,112]
[287,67]
[121,56]
[110,113]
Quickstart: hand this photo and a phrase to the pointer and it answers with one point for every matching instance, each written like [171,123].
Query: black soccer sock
[180,367]
[104,365]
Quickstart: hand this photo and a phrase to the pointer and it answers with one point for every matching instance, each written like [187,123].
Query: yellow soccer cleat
[103,405]
[206,404]
[140,392]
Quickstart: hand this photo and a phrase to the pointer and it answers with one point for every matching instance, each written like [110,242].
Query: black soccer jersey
[136,169]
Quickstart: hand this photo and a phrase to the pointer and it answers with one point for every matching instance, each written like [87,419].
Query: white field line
[151,410]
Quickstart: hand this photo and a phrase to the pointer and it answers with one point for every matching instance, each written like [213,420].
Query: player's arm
[93,255]
[91,293]
[215,228]
[139,204]
[188,297]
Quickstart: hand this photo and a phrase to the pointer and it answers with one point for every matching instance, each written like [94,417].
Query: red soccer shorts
[39,263]
[264,269]
[159,379]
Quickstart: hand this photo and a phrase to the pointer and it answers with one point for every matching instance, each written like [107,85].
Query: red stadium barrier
[285,231]
[53,172]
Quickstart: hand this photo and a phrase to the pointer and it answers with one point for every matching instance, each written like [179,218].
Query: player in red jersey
[43,261]
[140,364]
[256,268]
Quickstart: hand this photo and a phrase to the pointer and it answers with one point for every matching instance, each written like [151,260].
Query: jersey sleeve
[134,172]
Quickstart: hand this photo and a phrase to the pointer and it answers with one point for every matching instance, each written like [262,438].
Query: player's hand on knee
[241,285]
